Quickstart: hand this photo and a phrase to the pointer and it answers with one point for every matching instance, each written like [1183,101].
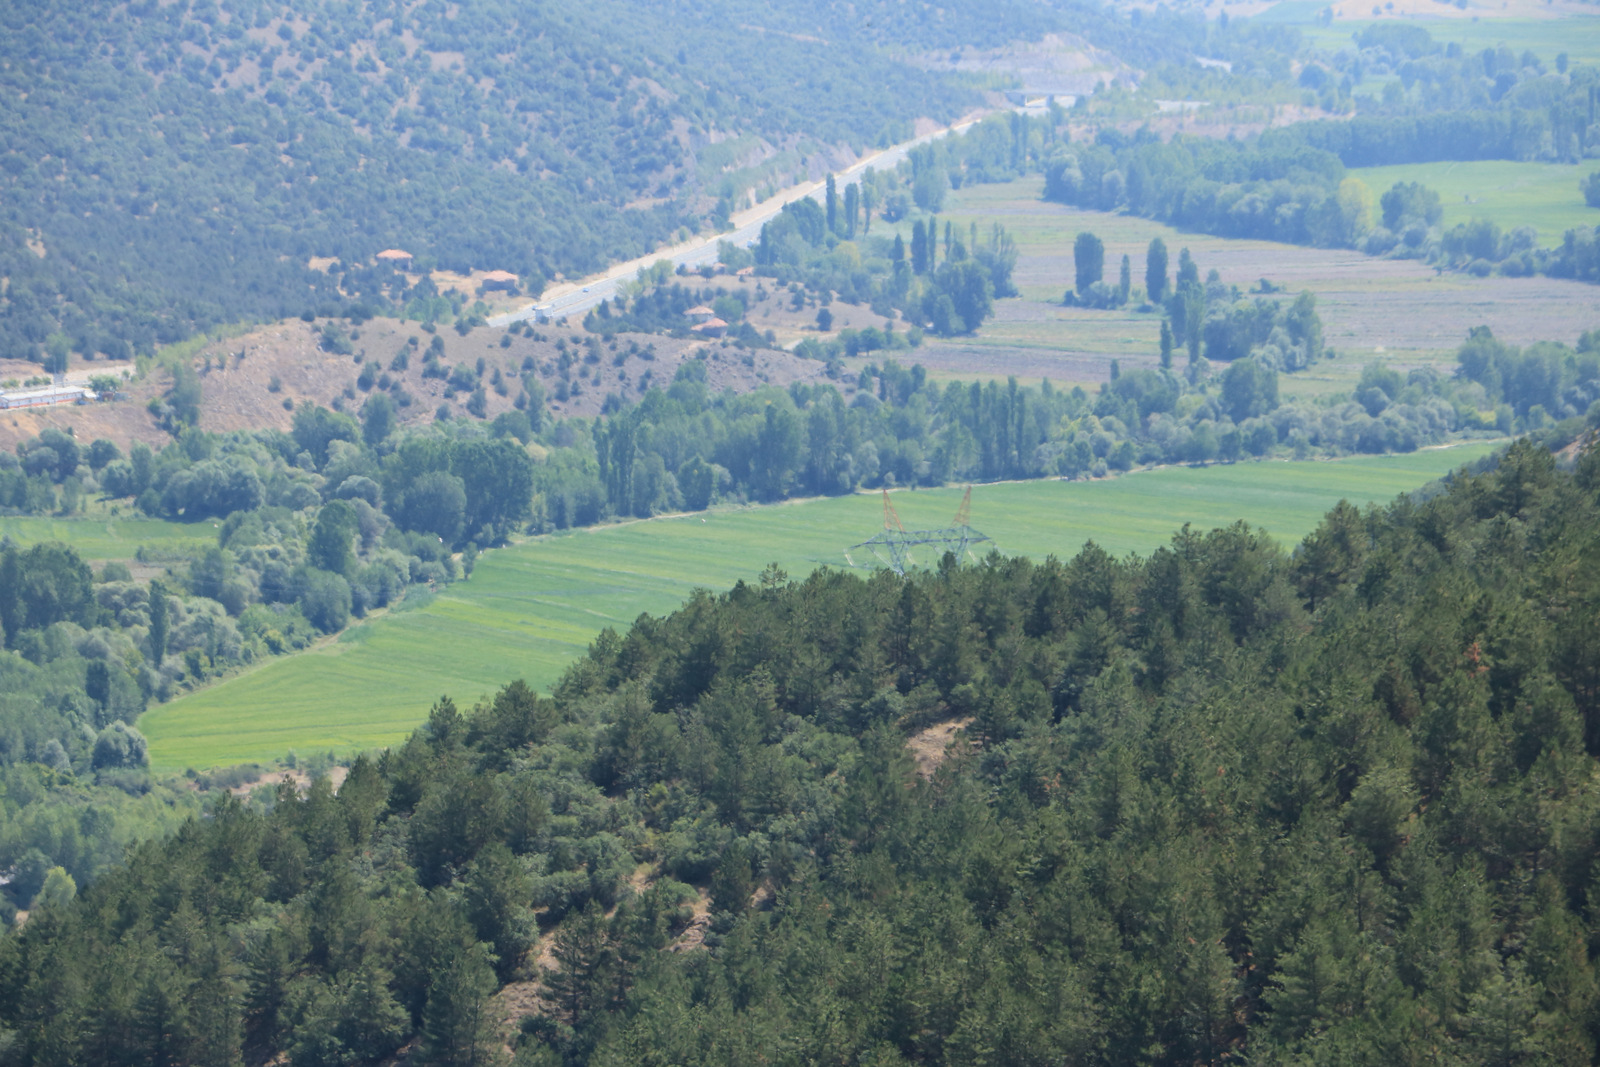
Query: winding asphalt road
[574,298]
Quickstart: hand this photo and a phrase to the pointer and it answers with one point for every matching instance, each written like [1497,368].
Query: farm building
[710,328]
[700,314]
[396,258]
[44,397]
[499,279]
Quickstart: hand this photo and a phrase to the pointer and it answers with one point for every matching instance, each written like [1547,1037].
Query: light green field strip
[102,539]
[1578,36]
[1542,195]
[529,610]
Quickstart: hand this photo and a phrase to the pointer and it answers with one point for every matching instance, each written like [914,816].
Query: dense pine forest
[1224,803]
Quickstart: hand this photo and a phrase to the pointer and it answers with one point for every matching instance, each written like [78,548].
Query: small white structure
[1039,98]
[45,397]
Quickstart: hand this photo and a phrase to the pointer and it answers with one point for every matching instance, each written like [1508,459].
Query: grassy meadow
[101,538]
[528,610]
[1544,37]
[1400,311]
[1542,195]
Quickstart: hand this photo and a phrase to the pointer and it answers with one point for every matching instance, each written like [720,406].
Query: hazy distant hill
[165,166]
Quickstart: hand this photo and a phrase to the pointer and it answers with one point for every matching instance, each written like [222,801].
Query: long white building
[44,397]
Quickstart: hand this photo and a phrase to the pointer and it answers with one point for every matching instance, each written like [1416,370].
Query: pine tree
[457,1024]
[1501,1020]
[496,892]
[582,951]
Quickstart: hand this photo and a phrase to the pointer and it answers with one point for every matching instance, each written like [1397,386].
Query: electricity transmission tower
[893,544]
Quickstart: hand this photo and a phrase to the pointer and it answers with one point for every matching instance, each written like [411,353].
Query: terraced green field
[530,609]
[1542,195]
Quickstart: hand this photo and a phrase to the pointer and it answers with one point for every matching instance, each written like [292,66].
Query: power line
[892,547]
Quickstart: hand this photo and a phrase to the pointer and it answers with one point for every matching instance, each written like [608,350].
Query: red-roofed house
[396,258]
[700,314]
[499,279]
[712,327]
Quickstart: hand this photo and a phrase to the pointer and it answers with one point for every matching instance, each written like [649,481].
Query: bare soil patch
[123,421]
[695,936]
[301,780]
[930,747]
[1060,64]
[255,381]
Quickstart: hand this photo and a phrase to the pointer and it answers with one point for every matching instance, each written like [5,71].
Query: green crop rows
[529,610]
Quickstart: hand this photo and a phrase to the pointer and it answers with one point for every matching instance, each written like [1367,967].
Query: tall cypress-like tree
[1188,271]
[1089,259]
[832,202]
[1125,281]
[158,623]
[10,601]
[97,682]
[1155,271]
[919,248]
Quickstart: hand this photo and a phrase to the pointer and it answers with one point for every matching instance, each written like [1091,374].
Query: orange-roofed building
[396,258]
[700,314]
[712,327]
[500,279]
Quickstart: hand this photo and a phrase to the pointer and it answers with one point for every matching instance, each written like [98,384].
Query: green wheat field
[530,609]
[115,538]
[1542,195]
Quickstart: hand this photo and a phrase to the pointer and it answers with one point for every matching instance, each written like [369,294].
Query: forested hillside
[1224,802]
[174,165]
[170,166]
